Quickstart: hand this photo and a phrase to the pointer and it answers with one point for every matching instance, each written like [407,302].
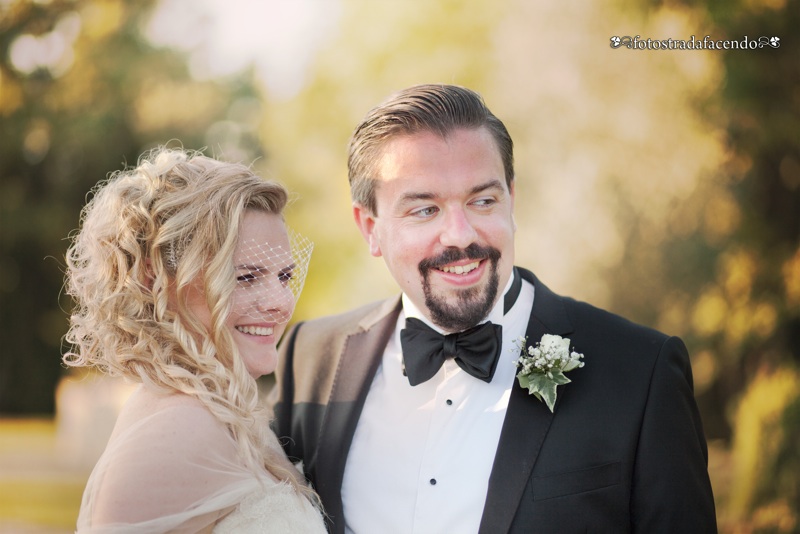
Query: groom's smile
[460,299]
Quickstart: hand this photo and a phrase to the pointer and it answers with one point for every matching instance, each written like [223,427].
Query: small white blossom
[543,366]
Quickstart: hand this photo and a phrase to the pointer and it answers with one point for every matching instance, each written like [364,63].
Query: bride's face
[262,302]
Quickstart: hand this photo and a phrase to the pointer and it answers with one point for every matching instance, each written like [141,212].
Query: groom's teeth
[461,269]
[255,330]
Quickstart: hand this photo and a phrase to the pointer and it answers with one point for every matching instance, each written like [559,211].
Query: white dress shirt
[421,456]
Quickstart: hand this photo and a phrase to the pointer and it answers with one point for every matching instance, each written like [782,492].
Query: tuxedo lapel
[356,368]
[526,423]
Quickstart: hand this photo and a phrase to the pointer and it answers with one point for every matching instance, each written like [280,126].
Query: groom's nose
[457,229]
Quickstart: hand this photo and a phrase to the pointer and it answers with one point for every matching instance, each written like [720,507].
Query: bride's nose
[277,298]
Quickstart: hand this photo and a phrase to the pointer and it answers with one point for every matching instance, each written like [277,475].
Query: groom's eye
[428,211]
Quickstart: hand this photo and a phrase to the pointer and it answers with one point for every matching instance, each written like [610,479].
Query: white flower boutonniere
[542,366]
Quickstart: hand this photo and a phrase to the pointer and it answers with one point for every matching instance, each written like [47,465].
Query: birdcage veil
[270,277]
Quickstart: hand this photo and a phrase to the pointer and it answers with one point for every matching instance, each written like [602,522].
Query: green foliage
[730,278]
[598,133]
[765,486]
[730,288]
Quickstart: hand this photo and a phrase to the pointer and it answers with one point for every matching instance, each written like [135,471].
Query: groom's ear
[511,190]
[365,221]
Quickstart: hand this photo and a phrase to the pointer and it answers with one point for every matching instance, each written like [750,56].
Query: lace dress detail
[278,509]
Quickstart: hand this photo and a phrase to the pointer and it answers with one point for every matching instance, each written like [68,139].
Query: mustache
[450,255]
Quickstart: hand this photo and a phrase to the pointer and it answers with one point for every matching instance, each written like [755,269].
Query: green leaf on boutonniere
[543,366]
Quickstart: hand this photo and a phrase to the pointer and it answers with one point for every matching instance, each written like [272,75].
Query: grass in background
[34,491]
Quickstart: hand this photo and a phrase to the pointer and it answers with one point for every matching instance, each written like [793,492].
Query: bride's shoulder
[169,455]
[148,401]
[165,417]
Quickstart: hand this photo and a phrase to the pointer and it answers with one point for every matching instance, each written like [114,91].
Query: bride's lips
[256,330]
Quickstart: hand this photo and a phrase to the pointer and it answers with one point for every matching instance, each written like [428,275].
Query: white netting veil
[270,277]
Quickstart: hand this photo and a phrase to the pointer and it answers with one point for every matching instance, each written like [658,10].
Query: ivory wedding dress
[171,466]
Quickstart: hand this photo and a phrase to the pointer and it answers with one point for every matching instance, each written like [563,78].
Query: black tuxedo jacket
[624,450]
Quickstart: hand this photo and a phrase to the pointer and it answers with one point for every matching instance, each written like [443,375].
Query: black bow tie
[475,350]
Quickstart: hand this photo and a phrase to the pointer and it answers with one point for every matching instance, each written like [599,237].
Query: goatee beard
[472,304]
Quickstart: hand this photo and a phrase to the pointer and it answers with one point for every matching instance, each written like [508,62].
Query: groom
[407,413]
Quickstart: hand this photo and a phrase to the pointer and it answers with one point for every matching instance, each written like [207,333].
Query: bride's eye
[246,278]
[285,276]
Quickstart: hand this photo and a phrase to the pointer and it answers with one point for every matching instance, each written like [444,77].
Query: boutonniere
[542,366]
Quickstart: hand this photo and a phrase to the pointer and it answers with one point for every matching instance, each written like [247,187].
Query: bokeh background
[663,185]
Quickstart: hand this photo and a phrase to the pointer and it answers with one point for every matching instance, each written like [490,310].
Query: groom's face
[444,223]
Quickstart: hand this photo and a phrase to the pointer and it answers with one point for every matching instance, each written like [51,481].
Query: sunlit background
[663,185]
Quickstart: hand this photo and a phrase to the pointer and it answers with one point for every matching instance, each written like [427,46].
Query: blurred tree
[765,488]
[759,269]
[728,275]
[82,93]
[686,164]
[381,48]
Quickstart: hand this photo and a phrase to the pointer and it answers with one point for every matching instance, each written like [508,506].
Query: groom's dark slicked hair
[435,108]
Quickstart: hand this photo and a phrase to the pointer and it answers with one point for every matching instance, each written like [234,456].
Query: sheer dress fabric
[171,466]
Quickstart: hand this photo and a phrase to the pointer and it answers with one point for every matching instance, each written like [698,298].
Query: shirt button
[449,402]
[433,482]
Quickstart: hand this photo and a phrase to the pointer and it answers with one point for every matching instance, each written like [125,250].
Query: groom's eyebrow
[411,197]
[408,198]
[492,184]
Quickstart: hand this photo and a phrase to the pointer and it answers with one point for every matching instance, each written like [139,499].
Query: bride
[185,276]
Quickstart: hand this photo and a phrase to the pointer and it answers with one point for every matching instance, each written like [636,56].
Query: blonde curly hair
[146,234]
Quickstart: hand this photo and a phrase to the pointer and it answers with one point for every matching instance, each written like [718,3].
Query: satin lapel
[526,424]
[356,368]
